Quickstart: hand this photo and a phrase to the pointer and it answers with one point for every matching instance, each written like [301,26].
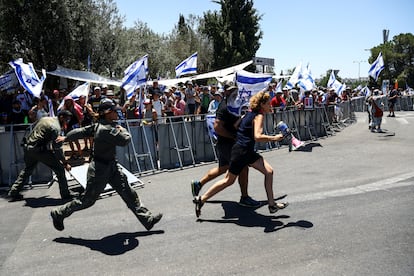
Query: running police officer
[104,168]
[41,146]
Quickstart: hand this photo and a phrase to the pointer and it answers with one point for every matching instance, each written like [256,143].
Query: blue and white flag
[135,75]
[248,84]
[81,90]
[376,67]
[27,77]
[306,81]
[335,84]
[187,66]
[279,86]
[294,78]
[367,92]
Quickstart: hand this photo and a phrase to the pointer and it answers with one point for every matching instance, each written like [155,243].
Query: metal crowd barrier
[403,103]
[177,142]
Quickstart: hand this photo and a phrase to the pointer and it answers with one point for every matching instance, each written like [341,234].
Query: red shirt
[278,101]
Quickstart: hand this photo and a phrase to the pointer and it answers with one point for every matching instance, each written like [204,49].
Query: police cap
[106,105]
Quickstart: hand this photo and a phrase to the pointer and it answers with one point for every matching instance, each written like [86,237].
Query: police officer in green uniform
[104,168]
[41,146]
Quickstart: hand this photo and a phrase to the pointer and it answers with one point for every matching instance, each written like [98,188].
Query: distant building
[264,65]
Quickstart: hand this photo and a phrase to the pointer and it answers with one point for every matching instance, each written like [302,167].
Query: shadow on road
[308,147]
[43,201]
[248,217]
[116,244]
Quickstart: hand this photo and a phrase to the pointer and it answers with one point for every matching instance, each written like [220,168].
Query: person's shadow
[43,201]
[308,147]
[116,244]
[248,217]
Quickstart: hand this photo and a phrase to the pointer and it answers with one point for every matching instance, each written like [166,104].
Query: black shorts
[391,104]
[241,157]
[224,153]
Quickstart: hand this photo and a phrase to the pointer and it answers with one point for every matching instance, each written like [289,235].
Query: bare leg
[219,186]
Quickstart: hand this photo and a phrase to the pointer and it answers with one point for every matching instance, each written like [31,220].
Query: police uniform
[103,169]
[40,146]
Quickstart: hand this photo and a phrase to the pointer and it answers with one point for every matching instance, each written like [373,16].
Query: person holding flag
[224,127]
[243,154]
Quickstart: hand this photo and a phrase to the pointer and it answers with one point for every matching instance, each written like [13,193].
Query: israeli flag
[248,84]
[81,90]
[367,92]
[135,75]
[187,66]
[28,77]
[376,67]
[279,86]
[294,78]
[306,81]
[335,84]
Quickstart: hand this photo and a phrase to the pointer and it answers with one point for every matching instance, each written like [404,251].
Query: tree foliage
[398,55]
[234,31]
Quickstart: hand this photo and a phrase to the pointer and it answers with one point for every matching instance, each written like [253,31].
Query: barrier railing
[183,141]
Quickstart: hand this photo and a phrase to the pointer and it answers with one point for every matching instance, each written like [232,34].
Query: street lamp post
[359,67]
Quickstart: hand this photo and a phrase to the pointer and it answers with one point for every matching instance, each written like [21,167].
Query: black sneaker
[154,220]
[247,201]
[57,220]
[277,206]
[195,187]
[14,197]
[198,204]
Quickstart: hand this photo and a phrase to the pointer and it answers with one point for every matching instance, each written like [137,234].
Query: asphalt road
[351,213]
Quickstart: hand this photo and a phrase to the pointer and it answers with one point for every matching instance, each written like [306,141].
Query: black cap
[65,113]
[107,105]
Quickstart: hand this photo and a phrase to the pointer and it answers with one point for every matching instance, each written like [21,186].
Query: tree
[234,31]
[45,32]
[398,55]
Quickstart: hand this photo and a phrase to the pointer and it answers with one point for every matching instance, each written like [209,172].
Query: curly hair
[258,99]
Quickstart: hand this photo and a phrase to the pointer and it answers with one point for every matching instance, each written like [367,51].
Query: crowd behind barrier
[185,140]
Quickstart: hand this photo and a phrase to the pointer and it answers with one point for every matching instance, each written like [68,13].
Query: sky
[324,34]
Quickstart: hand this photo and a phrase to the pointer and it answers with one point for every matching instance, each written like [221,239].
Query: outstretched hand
[60,139]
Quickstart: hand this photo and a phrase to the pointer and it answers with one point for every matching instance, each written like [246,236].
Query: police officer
[41,145]
[104,168]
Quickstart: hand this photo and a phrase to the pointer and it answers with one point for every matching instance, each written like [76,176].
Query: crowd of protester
[157,103]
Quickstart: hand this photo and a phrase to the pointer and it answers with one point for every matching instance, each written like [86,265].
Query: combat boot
[57,220]
[152,221]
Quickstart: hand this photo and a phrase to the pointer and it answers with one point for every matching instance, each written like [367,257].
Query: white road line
[402,121]
[393,182]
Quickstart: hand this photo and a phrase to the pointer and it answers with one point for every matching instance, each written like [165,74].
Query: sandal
[278,206]
[198,204]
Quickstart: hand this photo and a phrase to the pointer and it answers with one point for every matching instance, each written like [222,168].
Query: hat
[205,88]
[229,87]
[177,93]
[55,91]
[219,93]
[107,105]
[147,101]
[110,93]
[104,86]
[65,113]
[189,82]
[96,88]
[279,92]
[68,98]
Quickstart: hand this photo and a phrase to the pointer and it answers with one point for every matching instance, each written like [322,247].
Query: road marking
[402,121]
[393,182]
